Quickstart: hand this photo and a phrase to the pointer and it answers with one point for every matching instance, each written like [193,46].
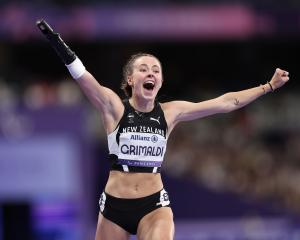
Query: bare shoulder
[170,107]
[174,107]
[171,112]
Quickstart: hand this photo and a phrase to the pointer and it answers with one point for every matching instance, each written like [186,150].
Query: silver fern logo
[130,117]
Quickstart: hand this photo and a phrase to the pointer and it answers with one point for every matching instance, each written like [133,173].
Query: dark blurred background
[230,176]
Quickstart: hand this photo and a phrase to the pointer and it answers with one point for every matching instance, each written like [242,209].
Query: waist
[132,164]
[133,185]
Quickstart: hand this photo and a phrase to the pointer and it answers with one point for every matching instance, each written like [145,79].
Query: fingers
[282,74]
[285,76]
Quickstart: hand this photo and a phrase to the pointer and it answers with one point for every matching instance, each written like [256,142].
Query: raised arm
[104,99]
[178,111]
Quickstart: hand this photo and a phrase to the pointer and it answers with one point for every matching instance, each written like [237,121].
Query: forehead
[147,60]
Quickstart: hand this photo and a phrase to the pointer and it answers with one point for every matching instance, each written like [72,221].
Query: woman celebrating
[134,200]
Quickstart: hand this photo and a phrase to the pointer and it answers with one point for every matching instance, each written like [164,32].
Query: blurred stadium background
[231,177]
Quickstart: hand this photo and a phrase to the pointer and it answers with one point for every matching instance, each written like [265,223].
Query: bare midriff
[133,185]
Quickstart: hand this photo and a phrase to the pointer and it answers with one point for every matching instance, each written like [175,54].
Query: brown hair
[128,70]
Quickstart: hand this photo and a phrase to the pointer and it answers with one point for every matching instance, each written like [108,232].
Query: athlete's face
[146,78]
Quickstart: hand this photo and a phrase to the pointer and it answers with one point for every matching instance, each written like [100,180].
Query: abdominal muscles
[133,185]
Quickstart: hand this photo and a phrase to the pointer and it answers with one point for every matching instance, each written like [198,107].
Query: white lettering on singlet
[144,129]
[142,150]
[129,129]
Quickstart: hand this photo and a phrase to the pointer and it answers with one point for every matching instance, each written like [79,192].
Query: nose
[150,75]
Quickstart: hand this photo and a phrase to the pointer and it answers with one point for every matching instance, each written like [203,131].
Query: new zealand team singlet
[138,144]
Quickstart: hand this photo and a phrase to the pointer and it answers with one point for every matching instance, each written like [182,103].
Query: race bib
[141,149]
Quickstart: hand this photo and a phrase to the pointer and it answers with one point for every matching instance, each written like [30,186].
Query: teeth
[150,82]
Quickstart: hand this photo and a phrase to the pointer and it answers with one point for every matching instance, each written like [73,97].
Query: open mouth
[148,85]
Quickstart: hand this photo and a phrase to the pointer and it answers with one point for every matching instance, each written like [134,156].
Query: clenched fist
[279,78]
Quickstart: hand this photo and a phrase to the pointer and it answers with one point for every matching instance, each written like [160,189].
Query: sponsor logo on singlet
[136,137]
[155,119]
[154,138]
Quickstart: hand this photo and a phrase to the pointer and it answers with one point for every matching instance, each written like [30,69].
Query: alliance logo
[154,138]
[136,137]
[139,138]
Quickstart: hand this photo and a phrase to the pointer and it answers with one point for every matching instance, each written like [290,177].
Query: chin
[149,96]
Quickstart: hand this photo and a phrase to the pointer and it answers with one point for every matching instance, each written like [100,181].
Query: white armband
[76,68]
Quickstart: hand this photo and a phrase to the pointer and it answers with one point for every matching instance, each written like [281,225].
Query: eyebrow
[145,65]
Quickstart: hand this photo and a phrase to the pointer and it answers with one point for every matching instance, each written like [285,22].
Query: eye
[156,70]
[143,69]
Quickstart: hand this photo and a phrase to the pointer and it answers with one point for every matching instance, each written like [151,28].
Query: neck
[142,105]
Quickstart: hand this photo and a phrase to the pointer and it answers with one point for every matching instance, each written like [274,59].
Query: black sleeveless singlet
[138,144]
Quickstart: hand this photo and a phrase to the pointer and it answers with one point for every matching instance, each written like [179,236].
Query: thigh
[107,230]
[158,224]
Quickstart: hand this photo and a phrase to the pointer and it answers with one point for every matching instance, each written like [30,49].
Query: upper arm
[178,111]
[104,99]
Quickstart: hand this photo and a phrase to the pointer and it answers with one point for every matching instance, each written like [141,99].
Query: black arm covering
[62,49]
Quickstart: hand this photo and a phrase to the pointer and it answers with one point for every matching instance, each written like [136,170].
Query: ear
[129,80]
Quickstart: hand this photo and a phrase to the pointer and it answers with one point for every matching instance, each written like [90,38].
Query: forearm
[100,96]
[236,100]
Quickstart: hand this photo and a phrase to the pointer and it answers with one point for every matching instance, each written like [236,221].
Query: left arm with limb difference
[178,111]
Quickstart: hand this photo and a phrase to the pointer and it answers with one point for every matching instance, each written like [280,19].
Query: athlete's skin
[159,223]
